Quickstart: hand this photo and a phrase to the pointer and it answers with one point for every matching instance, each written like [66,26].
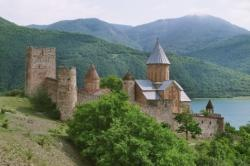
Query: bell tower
[158,64]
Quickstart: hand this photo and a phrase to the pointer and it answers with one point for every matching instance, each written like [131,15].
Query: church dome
[158,55]
[92,74]
[128,76]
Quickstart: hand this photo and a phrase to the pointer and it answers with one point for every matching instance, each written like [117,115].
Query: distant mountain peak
[5,22]
[179,35]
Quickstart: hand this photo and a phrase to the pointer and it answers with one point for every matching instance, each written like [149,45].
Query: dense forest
[199,78]
[233,53]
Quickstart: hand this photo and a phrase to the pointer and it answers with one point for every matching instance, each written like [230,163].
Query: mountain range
[205,37]
[190,42]
[179,35]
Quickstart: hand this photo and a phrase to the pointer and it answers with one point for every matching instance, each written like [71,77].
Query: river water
[236,111]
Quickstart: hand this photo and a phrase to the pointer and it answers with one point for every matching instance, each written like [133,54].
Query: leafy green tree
[112,82]
[112,131]
[187,124]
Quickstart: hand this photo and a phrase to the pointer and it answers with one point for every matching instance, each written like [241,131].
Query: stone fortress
[158,96]
[61,83]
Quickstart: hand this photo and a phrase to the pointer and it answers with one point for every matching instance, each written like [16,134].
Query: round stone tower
[66,92]
[129,86]
[158,65]
[91,80]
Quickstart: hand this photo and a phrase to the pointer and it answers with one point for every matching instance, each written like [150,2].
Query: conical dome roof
[209,105]
[92,74]
[128,76]
[158,55]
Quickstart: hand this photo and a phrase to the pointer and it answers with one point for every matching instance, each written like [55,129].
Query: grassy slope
[29,141]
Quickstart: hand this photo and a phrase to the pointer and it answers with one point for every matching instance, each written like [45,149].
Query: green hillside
[233,53]
[200,79]
[114,33]
[72,49]
[203,79]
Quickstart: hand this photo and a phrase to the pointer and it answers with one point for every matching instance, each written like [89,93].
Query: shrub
[112,131]
[4,110]
[166,125]
[61,130]
[112,82]
[205,112]
[41,102]
[29,154]
[15,92]
[43,140]
[5,124]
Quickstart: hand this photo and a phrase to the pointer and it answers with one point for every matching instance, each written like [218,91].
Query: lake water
[236,111]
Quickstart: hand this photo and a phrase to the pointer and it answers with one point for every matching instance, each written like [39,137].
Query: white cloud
[121,11]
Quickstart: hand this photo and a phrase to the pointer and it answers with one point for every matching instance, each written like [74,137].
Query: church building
[157,89]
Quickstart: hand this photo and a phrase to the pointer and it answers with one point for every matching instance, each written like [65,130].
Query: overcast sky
[130,12]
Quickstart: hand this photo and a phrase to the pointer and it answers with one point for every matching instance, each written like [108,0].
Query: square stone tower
[40,64]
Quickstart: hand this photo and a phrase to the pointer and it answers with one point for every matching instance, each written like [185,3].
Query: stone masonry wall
[158,72]
[139,97]
[185,106]
[160,113]
[129,87]
[210,125]
[50,86]
[84,97]
[40,64]
[172,94]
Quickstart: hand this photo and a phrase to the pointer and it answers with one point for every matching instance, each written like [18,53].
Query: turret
[91,80]
[67,92]
[129,85]
[158,64]
[210,107]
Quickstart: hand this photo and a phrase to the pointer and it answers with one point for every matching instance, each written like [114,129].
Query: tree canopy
[187,124]
[112,82]
[112,131]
